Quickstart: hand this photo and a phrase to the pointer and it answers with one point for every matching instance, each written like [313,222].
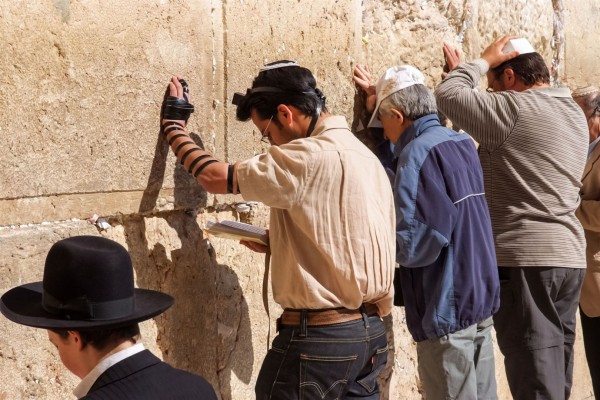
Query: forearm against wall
[488,117]
[210,173]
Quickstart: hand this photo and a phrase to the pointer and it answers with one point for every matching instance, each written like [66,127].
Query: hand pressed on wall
[451,58]
[176,104]
[362,78]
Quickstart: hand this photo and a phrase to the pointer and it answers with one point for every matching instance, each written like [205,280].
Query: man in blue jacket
[444,238]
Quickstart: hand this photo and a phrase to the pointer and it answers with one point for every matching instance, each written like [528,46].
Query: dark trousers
[338,361]
[591,340]
[535,329]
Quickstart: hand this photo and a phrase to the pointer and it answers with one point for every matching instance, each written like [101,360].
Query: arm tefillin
[193,158]
[176,108]
[188,153]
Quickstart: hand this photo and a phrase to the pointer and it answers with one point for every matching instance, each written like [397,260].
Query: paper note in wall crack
[238,231]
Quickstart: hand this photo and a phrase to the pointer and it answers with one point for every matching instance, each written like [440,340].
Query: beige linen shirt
[589,215]
[332,226]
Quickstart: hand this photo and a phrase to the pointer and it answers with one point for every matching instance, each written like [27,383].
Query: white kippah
[521,45]
[584,91]
[279,65]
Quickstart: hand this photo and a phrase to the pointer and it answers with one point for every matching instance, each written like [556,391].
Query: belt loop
[303,322]
[363,311]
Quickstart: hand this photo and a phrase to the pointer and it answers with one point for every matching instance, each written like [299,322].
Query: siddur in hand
[238,231]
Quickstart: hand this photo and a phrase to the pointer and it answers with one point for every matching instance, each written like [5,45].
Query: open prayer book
[238,231]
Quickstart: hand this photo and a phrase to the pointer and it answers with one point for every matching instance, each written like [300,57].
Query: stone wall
[81,83]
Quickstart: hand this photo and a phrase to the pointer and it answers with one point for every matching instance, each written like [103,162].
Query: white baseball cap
[394,79]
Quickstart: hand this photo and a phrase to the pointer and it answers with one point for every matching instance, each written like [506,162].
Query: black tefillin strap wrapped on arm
[189,154]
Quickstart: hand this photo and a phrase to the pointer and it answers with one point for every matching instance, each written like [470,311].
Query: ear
[75,338]
[397,114]
[285,115]
[509,78]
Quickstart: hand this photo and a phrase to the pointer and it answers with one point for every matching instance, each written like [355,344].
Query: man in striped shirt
[533,145]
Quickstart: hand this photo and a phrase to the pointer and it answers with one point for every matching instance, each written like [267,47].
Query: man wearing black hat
[88,304]
[331,232]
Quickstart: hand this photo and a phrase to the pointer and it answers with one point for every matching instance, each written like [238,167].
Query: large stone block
[322,36]
[582,57]
[82,87]
[412,32]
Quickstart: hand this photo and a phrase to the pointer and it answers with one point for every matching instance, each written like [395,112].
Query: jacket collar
[592,159]
[126,367]
[415,129]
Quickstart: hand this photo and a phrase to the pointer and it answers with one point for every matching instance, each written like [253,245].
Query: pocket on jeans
[324,377]
[378,361]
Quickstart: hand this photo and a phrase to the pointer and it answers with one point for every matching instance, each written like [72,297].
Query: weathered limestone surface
[81,83]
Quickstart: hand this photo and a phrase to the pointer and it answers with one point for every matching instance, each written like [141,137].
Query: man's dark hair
[101,338]
[529,68]
[299,89]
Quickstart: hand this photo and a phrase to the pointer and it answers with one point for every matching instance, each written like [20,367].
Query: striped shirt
[533,147]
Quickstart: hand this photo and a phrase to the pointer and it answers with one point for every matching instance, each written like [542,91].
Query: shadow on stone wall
[187,193]
[386,374]
[209,321]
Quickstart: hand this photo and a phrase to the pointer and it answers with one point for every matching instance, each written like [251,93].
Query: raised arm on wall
[487,116]
[213,175]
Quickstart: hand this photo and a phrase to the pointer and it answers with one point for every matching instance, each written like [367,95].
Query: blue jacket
[445,246]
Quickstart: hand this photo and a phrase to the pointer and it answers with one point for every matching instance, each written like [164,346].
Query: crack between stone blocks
[558,40]
[226,105]
[466,19]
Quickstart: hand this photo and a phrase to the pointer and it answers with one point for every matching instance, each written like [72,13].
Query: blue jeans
[338,361]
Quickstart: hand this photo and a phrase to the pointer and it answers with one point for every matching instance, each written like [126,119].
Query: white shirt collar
[108,361]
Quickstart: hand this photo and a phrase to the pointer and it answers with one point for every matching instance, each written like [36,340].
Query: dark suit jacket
[143,376]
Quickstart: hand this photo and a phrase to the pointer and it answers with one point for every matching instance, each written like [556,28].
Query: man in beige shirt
[588,98]
[331,232]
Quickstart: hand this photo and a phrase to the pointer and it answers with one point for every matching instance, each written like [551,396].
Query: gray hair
[414,101]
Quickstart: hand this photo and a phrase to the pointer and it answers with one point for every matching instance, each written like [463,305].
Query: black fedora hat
[88,283]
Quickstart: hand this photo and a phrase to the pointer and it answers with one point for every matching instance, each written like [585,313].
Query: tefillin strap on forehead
[238,98]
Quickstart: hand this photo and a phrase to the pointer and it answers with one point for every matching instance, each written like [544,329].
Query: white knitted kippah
[585,91]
